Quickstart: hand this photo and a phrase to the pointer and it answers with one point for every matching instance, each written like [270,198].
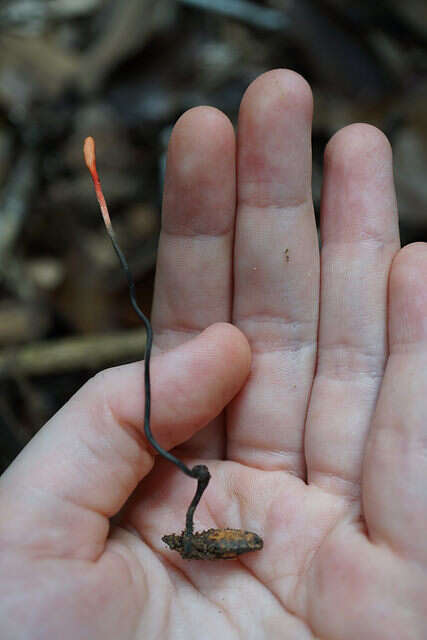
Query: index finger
[193,276]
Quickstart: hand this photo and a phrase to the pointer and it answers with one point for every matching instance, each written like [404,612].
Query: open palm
[315,432]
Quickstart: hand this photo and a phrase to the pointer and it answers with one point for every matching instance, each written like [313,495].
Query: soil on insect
[214,544]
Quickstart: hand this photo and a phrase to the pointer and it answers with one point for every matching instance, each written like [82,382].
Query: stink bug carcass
[214,544]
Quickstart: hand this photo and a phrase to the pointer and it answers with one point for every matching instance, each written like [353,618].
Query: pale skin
[299,378]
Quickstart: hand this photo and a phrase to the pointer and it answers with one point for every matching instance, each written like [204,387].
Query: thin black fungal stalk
[200,472]
[203,478]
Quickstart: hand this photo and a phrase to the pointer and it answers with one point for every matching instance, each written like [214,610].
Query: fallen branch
[69,354]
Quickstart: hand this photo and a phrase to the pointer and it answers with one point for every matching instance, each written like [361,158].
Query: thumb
[84,463]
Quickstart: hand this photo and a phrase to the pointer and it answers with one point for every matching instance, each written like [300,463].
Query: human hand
[323,449]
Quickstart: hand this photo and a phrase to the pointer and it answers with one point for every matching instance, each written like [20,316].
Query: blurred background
[124,72]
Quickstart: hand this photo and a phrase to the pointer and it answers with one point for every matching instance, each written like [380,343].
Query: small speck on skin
[286,254]
[253,268]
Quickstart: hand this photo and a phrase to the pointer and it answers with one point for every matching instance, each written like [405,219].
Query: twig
[14,205]
[69,354]
[260,17]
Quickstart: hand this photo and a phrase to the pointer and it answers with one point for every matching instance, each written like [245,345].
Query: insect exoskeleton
[214,544]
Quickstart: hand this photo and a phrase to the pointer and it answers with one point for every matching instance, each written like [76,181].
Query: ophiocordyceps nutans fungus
[203,545]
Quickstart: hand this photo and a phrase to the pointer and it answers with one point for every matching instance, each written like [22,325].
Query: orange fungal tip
[89,153]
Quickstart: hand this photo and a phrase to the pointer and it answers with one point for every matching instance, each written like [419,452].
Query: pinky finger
[395,470]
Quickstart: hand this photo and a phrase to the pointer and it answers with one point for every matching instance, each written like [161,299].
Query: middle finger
[276,265]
